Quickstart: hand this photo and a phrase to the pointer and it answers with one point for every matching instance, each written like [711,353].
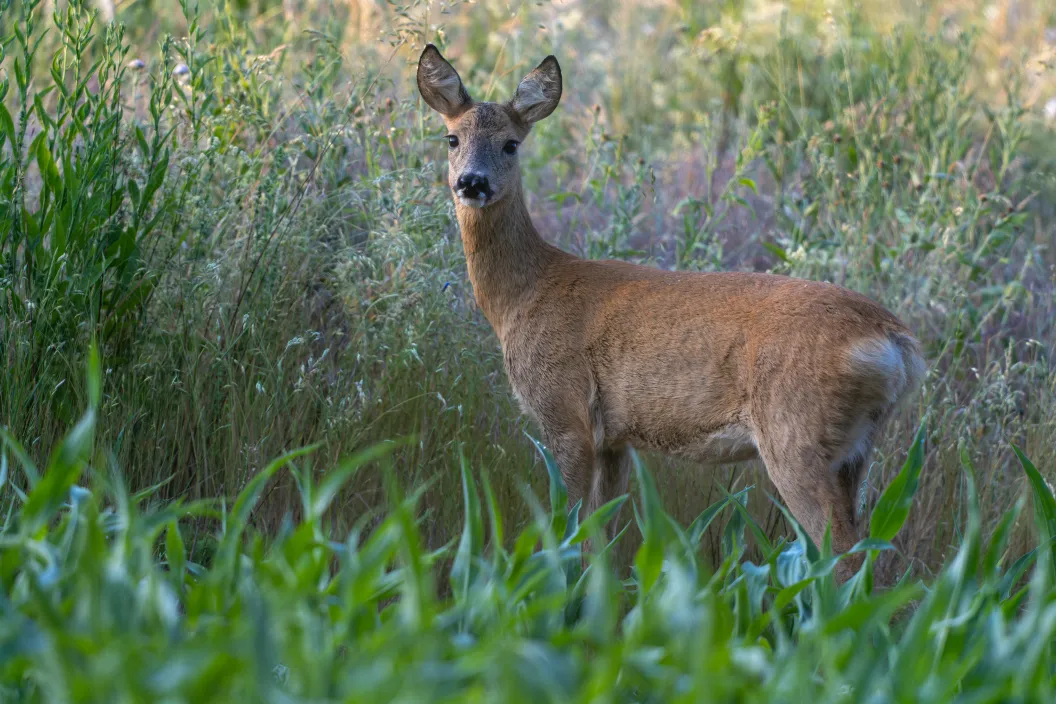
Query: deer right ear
[439,84]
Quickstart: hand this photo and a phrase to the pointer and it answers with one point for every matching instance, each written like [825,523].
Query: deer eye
[452,141]
[510,147]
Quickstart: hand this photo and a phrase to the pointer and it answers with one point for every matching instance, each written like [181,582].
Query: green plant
[296,278]
[103,603]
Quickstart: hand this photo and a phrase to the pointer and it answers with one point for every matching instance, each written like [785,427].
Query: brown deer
[717,367]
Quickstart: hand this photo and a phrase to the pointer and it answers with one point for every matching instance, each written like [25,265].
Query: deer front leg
[573,449]
[569,435]
[595,476]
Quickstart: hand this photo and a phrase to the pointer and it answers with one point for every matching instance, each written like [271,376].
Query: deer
[713,367]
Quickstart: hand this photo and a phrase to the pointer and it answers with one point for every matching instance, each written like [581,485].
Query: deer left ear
[539,92]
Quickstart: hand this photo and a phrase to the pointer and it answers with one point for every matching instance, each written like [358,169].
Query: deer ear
[439,84]
[539,92]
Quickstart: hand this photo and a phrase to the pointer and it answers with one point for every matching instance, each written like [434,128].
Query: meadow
[257,442]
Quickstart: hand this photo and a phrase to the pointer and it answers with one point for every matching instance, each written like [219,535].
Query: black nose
[472,185]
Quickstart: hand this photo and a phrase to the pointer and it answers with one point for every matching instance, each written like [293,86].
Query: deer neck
[505,256]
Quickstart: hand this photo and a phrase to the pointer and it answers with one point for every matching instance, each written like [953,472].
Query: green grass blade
[650,557]
[595,522]
[700,524]
[1044,502]
[558,490]
[29,468]
[328,489]
[471,544]
[892,509]
[236,522]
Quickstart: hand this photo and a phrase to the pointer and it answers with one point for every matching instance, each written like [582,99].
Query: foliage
[103,603]
[248,217]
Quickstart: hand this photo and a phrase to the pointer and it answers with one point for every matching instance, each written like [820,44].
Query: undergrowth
[102,601]
[250,218]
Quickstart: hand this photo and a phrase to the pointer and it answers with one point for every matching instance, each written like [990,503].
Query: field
[256,441]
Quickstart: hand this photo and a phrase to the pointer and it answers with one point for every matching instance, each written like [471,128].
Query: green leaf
[760,536]
[65,467]
[69,459]
[869,544]
[156,178]
[572,522]
[494,515]
[144,494]
[650,557]
[29,468]
[600,608]
[558,490]
[879,608]
[248,498]
[7,125]
[562,196]
[776,250]
[250,493]
[788,594]
[892,509]
[133,192]
[334,480]
[1044,502]
[748,183]
[596,522]
[701,523]
[95,376]
[1044,507]
[49,172]
[810,550]
[1018,568]
[471,544]
[175,554]
[141,142]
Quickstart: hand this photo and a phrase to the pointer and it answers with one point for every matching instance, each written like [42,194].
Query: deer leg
[573,449]
[818,492]
[612,472]
[849,482]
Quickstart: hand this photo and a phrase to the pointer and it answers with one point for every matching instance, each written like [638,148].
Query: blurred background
[263,242]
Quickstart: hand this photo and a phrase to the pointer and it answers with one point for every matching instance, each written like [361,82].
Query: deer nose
[471,185]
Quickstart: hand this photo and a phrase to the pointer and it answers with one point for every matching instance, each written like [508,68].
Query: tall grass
[102,601]
[249,216]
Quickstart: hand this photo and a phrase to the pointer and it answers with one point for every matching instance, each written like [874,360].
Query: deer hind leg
[820,486]
[612,472]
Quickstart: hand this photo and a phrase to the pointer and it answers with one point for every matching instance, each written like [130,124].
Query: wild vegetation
[296,471]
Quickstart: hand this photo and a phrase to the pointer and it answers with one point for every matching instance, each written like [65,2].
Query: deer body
[719,367]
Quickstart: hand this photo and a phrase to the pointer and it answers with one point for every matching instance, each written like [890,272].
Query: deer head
[483,138]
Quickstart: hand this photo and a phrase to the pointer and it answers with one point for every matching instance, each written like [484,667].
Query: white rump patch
[882,359]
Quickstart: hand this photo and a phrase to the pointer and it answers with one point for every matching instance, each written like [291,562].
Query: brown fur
[714,367]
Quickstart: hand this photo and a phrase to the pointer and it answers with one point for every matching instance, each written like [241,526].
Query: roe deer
[717,367]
